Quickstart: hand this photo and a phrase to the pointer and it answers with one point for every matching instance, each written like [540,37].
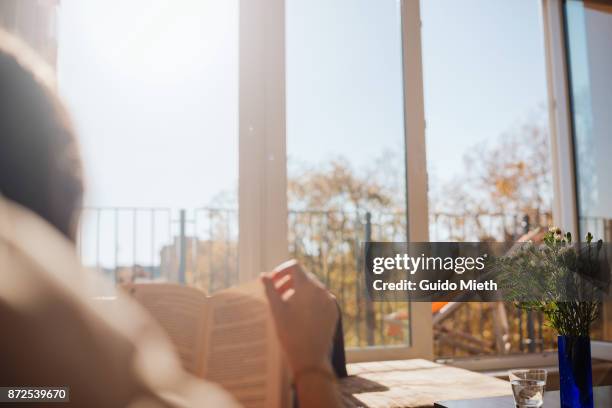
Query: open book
[227,338]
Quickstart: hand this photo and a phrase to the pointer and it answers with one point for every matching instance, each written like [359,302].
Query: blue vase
[575,375]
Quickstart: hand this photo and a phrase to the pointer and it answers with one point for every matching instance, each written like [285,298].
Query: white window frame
[263,157]
[565,212]
[262,172]
[559,113]
[420,315]
[564,197]
[565,209]
[262,154]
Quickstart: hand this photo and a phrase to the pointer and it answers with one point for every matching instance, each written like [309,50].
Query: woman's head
[40,167]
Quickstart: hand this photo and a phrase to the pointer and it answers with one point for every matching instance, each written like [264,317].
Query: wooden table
[602,396]
[414,384]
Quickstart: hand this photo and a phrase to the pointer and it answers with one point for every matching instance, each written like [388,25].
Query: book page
[181,312]
[242,351]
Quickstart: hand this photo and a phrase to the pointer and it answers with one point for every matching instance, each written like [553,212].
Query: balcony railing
[200,248]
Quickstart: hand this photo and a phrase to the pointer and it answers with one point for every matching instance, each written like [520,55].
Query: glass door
[589,34]
[488,154]
[152,87]
[347,135]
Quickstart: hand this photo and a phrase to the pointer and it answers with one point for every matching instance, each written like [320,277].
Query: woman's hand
[305,314]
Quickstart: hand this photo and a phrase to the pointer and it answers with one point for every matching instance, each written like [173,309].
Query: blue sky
[153,87]
[484,71]
[344,79]
[483,64]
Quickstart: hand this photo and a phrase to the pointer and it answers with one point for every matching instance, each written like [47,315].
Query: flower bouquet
[566,282]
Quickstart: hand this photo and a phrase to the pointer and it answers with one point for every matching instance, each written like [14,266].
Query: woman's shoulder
[57,331]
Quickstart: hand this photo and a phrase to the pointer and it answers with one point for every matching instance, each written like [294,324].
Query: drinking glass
[528,387]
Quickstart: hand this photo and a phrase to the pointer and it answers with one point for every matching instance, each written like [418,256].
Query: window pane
[152,86]
[589,29]
[487,152]
[345,142]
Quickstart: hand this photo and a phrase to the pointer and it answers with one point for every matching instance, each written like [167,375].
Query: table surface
[414,384]
[601,395]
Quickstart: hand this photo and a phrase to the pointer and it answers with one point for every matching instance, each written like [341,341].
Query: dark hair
[40,166]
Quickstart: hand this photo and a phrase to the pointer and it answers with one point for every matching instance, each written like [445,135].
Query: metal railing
[200,248]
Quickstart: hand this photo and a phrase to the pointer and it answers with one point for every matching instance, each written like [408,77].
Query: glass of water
[528,387]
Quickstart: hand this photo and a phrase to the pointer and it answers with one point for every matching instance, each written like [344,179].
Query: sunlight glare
[154,37]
